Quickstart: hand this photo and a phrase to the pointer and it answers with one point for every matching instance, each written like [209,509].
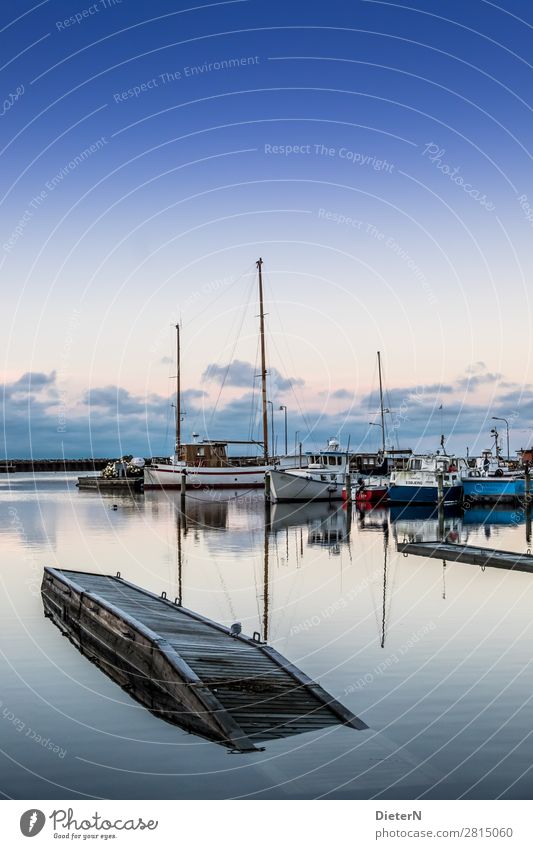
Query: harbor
[266,496]
[320,592]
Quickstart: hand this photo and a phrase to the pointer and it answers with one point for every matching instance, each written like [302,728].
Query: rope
[243,316]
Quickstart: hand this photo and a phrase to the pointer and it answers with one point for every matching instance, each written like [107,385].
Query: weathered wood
[470,554]
[185,667]
[100,484]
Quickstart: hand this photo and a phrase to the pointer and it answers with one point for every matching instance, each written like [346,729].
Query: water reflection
[425,524]
[404,643]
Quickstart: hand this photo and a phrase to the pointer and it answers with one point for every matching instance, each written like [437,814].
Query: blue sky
[377,157]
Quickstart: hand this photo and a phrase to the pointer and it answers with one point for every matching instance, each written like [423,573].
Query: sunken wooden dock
[470,554]
[233,690]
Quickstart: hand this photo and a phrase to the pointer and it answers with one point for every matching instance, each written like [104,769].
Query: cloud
[111,420]
[472,381]
[241,373]
[30,384]
[475,368]
[342,394]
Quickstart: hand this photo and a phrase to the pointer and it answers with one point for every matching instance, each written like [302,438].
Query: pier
[208,679]
[99,484]
[85,464]
[469,554]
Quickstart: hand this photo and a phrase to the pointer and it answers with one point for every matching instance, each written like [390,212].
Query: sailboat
[206,463]
[373,489]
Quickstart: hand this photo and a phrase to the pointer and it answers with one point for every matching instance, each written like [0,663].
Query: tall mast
[178,392]
[381,405]
[263,362]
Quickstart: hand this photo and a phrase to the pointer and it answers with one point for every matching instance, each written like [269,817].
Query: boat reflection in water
[426,524]
[328,525]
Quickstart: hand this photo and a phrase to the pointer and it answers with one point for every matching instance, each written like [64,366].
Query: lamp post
[284,408]
[271,422]
[501,419]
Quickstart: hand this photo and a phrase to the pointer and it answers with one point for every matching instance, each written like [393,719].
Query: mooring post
[349,505]
[348,485]
[183,488]
[440,503]
[527,502]
[267,487]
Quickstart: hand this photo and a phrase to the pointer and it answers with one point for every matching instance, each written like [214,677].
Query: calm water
[437,659]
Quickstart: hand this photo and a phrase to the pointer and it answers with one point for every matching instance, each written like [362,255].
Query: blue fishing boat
[480,487]
[419,482]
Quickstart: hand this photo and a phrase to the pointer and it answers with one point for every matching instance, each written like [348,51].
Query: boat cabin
[326,460]
[331,459]
[423,470]
[213,454]
[433,463]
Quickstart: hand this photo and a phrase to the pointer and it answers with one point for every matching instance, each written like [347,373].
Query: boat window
[339,461]
[332,461]
[417,464]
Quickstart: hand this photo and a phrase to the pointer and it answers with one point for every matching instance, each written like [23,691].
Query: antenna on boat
[263,361]
[178,392]
[381,405]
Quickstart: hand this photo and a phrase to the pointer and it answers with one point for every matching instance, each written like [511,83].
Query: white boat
[323,478]
[205,464]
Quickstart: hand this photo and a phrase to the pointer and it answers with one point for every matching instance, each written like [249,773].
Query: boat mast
[263,362]
[178,392]
[381,405]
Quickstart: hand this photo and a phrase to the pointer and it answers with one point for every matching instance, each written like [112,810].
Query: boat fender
[498,473]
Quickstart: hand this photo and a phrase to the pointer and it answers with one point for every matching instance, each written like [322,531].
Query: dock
[469,554]
[195,673]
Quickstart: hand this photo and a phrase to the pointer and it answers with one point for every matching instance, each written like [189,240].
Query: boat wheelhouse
[322,479]
[419,483]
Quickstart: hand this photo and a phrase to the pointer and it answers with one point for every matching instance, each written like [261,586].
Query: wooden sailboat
[206,463]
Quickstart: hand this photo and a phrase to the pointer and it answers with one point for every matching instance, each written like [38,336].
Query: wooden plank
[474,555]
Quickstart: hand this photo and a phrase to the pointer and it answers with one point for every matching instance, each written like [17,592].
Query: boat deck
[235,690]
[469,554]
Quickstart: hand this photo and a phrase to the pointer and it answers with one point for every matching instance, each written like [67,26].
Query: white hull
[301,486]
[162,476]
